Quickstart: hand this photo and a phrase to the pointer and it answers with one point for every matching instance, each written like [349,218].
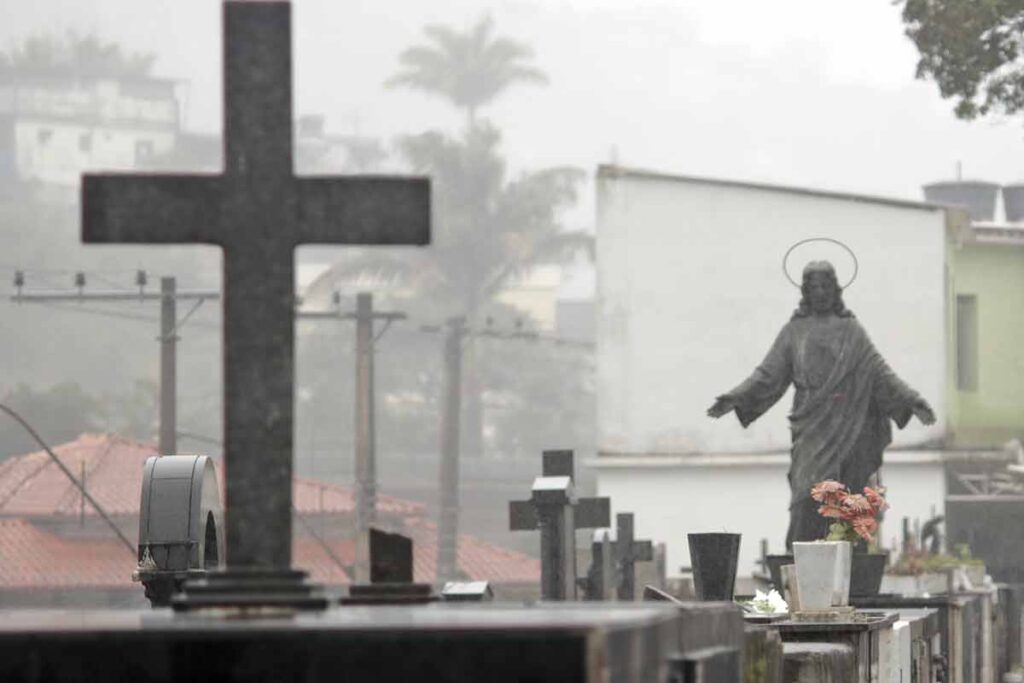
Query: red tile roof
[32,488]
[32,485]
[31,557]
[34,558]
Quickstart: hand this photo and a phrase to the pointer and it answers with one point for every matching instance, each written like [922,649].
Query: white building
[54,128]
[691,294]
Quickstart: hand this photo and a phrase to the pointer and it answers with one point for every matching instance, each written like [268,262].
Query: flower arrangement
[766,603]
[856,513]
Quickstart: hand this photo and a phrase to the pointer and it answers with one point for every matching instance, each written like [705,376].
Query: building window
[967,342]
[143,150]
[85,142]
[43,135]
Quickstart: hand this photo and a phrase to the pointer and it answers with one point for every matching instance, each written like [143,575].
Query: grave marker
[554,509]
[257,211]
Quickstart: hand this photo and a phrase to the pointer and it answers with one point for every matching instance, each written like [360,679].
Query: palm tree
[469,69]
[488,230]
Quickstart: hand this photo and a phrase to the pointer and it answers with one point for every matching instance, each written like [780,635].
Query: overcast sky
[801,92]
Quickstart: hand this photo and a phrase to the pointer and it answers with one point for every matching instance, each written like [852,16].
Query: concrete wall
[691,295]
[675,495]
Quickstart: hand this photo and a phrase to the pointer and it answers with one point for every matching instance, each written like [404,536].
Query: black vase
[775,565]
[866,570]
[714,558]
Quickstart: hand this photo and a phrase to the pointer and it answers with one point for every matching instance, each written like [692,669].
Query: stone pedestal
[961,628]
[762,655]
[819,662]
[862,634]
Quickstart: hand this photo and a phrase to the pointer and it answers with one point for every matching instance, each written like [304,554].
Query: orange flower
[865,527]
[830,511]
[856,505]
[827,489]
[877,498]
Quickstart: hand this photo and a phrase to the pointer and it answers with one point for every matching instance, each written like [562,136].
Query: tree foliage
[972,50]
[488,229]
[469,69]
[74,54]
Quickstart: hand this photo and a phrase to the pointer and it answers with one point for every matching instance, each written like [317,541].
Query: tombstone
[391,574]
[258,212]
[554,509]
[599,582]
[180,524]
[627,552]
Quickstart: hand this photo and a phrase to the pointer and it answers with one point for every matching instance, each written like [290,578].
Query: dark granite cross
[257,211]
[554,509]
[628,551]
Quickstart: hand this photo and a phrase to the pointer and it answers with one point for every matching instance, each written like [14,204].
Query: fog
[794,92]
[798,93]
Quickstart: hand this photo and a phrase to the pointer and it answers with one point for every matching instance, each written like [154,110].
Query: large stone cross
[257,211]
[555,510]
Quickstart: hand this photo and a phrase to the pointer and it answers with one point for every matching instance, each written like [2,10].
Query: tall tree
[972,50]
[469,69]
[488,229]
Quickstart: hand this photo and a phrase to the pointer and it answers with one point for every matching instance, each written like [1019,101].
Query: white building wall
[747,494]
[691,295]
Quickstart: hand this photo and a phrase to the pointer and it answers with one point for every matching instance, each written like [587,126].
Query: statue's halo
[796,282]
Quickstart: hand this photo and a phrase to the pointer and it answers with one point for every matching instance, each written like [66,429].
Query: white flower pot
[823,574]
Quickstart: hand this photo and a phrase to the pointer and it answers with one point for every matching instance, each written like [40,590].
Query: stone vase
[866,571]
[823,574]
[775,564]
[714,557]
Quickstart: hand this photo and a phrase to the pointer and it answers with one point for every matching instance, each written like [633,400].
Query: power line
[92,501]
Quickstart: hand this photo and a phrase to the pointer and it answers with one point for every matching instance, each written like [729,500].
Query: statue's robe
[845,397]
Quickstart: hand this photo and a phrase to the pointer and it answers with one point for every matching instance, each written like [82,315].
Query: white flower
[776,601]
[770,603]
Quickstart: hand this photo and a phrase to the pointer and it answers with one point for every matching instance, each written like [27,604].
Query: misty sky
[800,92]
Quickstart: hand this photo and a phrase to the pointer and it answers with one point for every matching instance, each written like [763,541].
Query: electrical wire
[92,501]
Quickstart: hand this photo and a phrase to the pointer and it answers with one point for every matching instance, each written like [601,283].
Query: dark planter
[775,565]
[714,558]
[866,572]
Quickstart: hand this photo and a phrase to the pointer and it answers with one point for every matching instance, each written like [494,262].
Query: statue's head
[821,292]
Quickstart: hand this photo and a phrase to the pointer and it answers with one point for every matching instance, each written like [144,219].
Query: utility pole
[448,528]
[168,367]
[169,324]
[365,419]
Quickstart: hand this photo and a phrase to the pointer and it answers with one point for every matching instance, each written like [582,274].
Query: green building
[985,314]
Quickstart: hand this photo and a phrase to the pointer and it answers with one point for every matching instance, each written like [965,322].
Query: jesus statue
[845,397]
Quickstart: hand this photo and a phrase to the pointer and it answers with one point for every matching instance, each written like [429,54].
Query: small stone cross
[628,552]
[554,509]
[258,212]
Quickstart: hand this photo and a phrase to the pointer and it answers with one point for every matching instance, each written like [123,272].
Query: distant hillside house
[52,128]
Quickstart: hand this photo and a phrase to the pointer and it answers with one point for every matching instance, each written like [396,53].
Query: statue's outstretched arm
[896,399]
[765,386]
